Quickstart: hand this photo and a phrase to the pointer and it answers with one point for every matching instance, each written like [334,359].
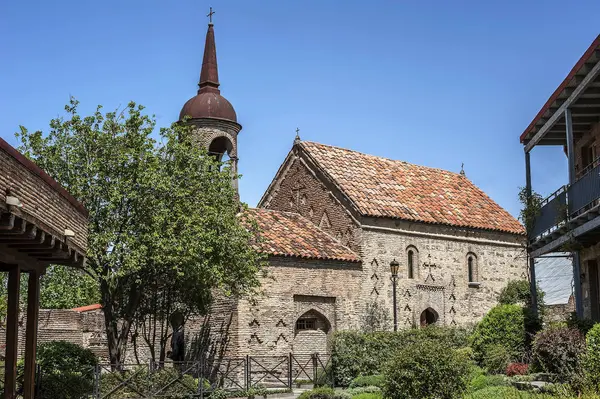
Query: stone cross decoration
[297,190]
[209,15]
[429,264]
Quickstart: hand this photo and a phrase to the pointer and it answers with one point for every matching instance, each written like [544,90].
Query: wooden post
[12,333]
[532,280]
[576,260]
[33,300]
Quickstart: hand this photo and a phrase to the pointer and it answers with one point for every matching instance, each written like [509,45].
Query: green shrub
[66,356]
[318,393]
[67,370]
[355,353]
[375,380]
[482,381]
[558,350]
[518,292]
[497,357]
[591,360]
[583,325]
[137,382]
[504,325]
[361,390]
[372,395]
[498,392]
[425,370]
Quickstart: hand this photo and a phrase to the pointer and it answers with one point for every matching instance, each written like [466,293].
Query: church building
[333,220]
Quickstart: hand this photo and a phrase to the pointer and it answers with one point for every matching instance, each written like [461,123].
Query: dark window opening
[588,158]
[306,324]
[470,264]
[411,264]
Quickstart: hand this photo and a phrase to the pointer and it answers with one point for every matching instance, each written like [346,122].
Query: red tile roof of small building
[382,187]
[290,234]
[87,308]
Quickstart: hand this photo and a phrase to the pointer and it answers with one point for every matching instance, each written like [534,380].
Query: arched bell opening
[221,148]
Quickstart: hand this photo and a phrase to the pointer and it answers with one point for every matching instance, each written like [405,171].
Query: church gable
[298,188]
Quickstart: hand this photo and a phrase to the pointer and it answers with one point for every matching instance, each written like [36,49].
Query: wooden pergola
[40,224]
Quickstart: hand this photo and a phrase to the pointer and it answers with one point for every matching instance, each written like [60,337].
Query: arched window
[312,320]
[472,269]
[412,262]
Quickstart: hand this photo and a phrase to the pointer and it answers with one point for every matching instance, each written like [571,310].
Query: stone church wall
[330,291]
[444,286]
[299,190]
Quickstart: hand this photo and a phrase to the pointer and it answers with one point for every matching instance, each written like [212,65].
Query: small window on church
[472,270]
[306,324]
[412,260]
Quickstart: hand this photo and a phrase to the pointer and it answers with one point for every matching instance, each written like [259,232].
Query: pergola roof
[580,92]
[48,226]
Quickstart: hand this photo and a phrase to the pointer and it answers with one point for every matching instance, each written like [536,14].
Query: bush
[591,360]
[583,325]
[497,392]
[517,369]
[66,356]
[504,325]
[375,380]
[324,393]
[425,370]
[355,353]
[496,359]
[67,370]
[558,350]
[482,381]
[373,395]
[517,292]
[139,382]
[360,390]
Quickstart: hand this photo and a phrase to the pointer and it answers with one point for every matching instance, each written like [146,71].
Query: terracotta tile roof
[383,187]
[290,234]
[88,308]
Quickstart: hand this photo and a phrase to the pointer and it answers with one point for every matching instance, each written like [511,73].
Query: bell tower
[213,118]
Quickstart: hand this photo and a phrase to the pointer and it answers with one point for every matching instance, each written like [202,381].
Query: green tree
[158,208]
[518,292]
[64,287]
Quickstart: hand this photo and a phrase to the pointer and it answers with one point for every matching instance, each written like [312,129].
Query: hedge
[357,354]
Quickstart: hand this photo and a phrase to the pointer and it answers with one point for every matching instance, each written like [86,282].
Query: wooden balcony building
[569,219]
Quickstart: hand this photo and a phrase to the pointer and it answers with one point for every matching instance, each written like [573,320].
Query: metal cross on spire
[209,15]
[297,135]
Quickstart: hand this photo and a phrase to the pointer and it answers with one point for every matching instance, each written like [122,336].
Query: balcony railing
[568,203]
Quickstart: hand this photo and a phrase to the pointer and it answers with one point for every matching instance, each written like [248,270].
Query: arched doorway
[310,333]
[429,317]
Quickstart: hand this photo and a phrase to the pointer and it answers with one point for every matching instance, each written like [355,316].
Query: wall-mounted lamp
[69,233]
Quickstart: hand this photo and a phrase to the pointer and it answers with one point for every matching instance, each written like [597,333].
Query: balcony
[569,215]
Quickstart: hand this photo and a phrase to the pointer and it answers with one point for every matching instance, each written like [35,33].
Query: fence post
[290,360]
[314,364]
[248,371]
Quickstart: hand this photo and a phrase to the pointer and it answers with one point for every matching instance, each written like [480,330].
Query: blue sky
[436,83]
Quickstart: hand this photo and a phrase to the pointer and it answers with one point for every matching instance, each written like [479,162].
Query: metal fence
[199,379]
